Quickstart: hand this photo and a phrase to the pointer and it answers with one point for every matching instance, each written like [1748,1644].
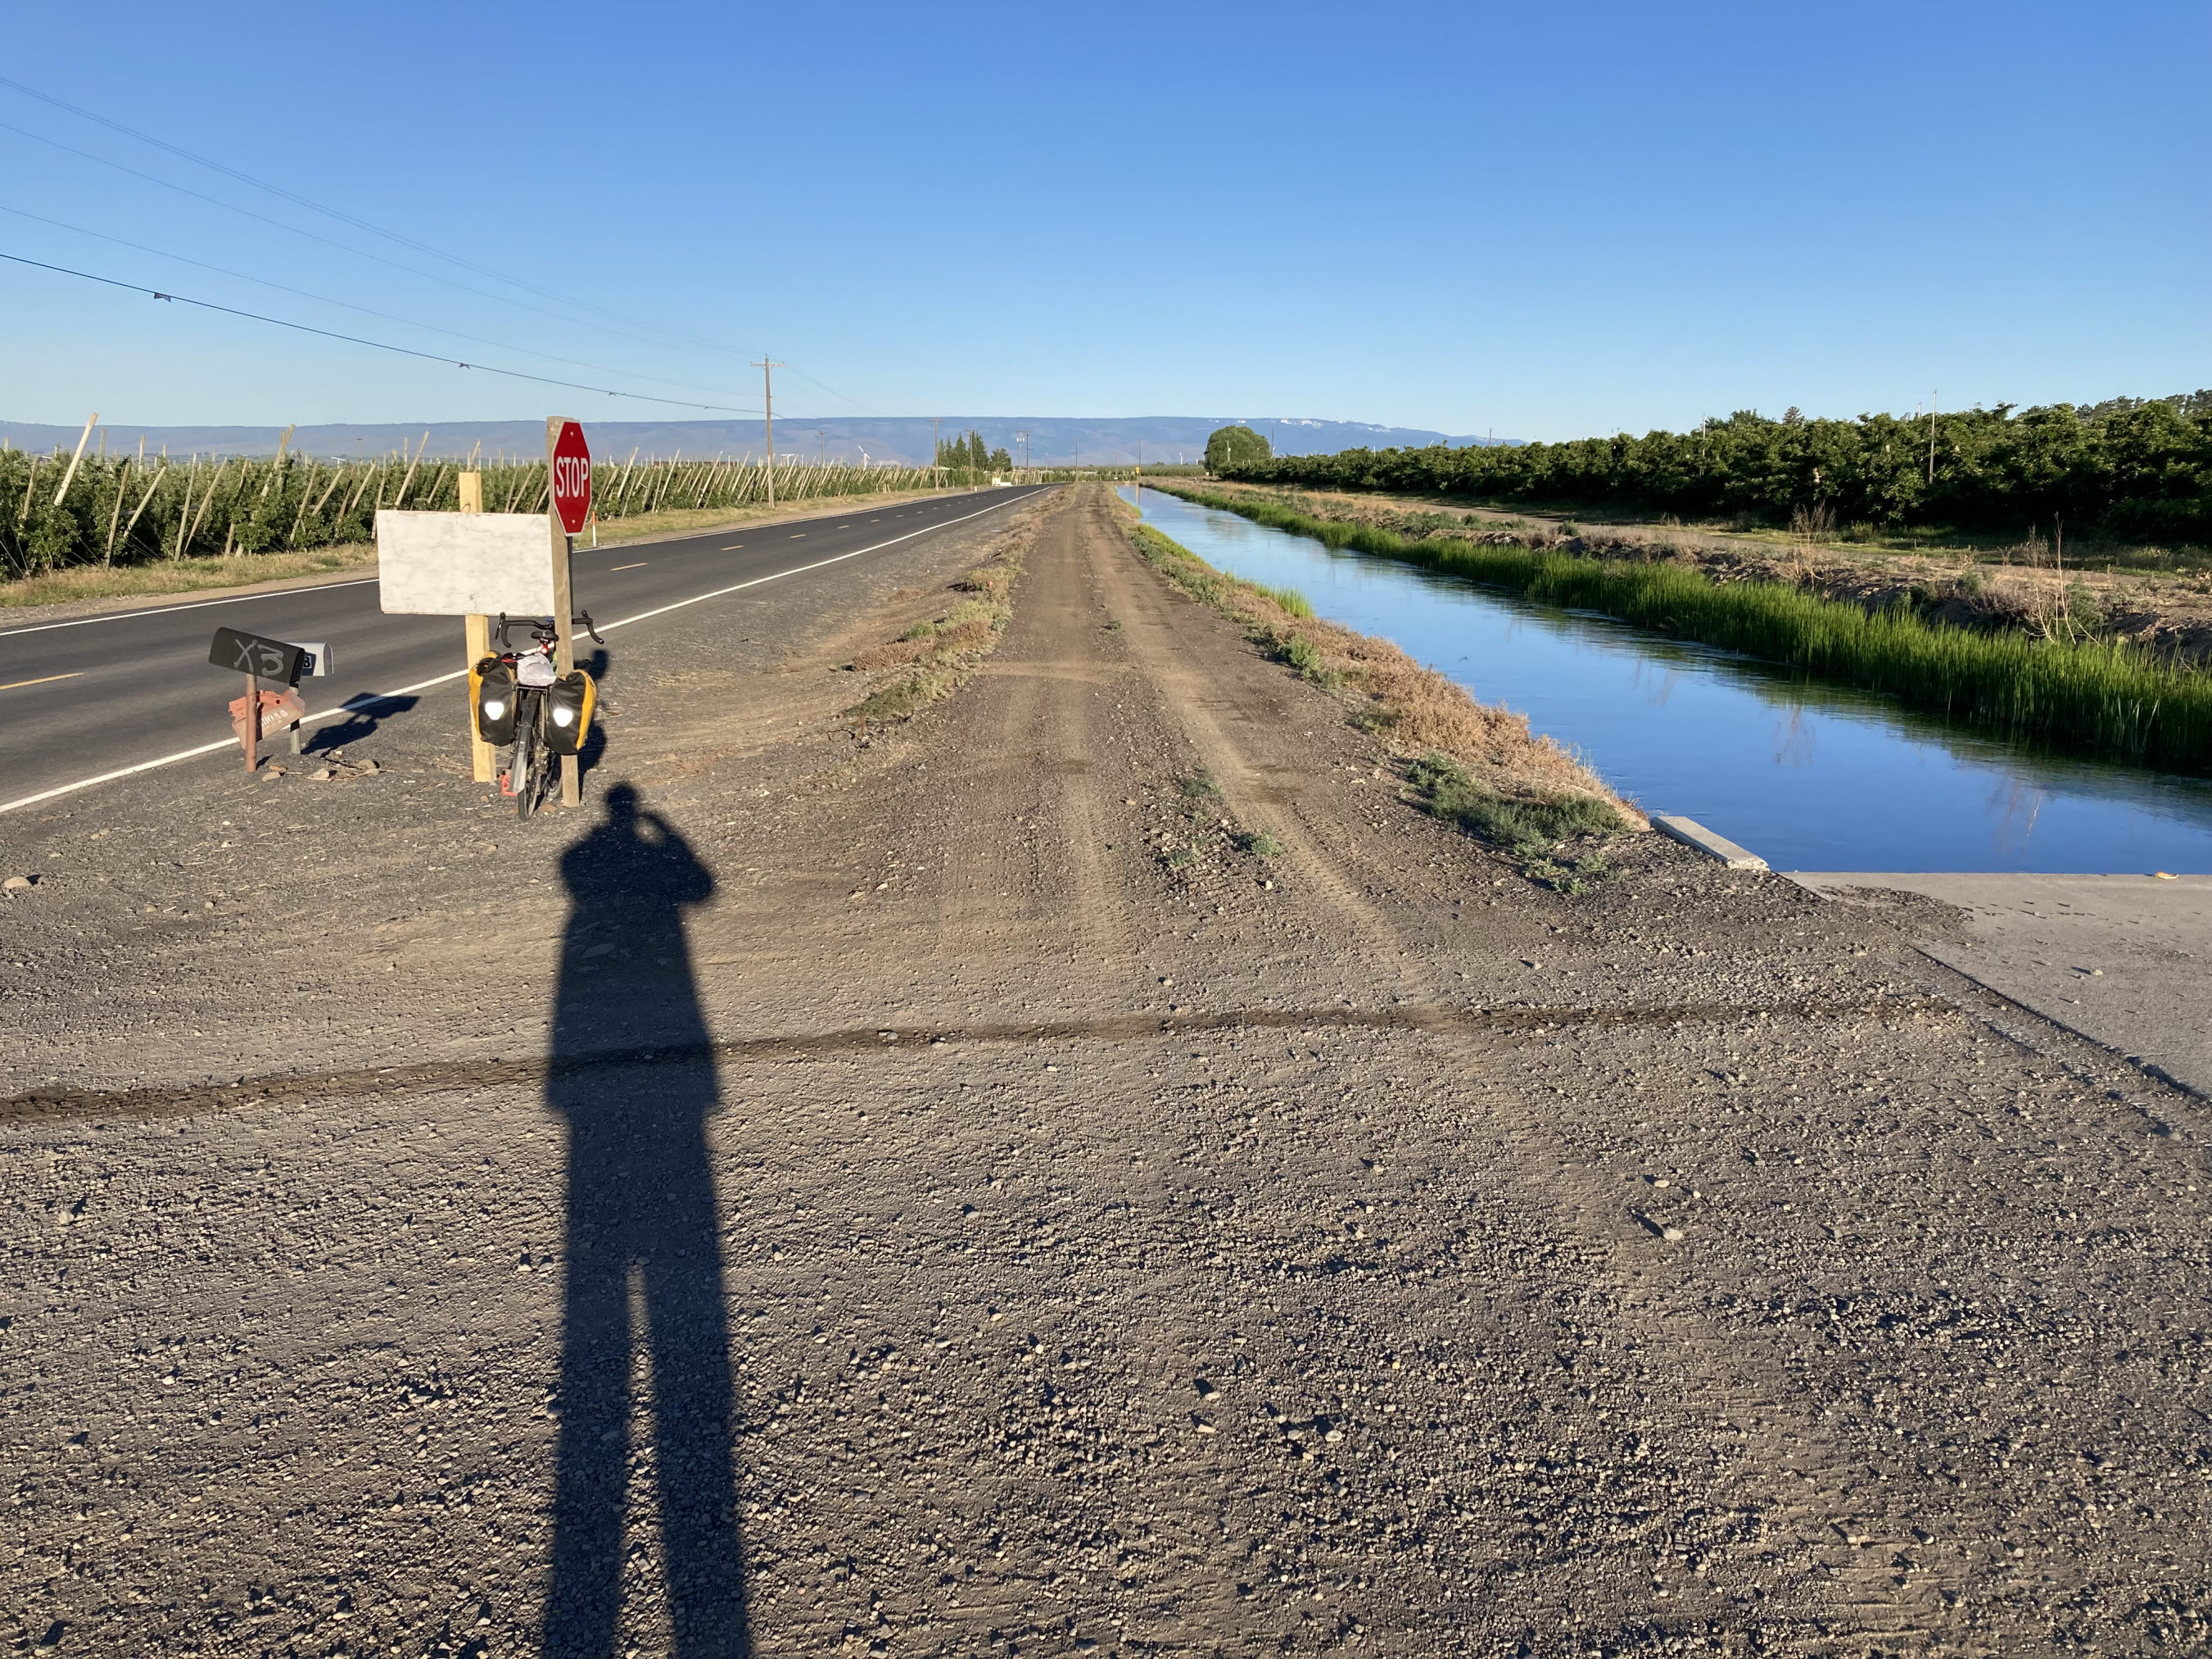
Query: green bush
[2127,468]
[1230,448]
[1450,792]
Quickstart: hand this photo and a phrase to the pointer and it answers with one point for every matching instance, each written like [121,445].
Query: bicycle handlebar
[544,632]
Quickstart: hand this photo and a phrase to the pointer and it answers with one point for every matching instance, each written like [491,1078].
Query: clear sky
[1542,221]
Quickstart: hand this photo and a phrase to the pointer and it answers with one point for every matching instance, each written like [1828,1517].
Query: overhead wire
[324,299]
[343,247]
[312,205]
[296,230]
[362,224]
[379,345]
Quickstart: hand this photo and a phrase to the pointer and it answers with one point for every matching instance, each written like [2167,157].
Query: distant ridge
[1052,442]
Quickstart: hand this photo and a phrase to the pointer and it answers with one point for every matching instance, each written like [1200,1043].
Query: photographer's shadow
[634,1073]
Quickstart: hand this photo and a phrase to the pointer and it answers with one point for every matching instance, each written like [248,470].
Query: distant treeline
[969,455]
[2134,468]
[130,511]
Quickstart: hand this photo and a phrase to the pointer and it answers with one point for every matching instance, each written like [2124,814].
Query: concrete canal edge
[2124,961]
[1691,833]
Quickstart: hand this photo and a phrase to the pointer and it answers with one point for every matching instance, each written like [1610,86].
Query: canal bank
[1807,775]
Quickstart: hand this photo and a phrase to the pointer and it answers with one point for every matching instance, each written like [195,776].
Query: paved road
[83,698]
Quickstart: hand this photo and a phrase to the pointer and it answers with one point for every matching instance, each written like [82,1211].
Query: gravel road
[948,1192]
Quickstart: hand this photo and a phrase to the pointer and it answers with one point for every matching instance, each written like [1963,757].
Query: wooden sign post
[483,759]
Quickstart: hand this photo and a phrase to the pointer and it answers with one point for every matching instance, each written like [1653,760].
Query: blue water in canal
[1810,777]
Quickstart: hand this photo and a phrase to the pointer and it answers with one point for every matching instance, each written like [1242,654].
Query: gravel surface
[946,1193]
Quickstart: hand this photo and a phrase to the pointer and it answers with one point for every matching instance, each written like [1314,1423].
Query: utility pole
[768,408]
[1934,403]
[1024,437]
[936,453]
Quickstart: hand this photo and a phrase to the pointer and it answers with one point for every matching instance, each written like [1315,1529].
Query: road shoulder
[2123,960]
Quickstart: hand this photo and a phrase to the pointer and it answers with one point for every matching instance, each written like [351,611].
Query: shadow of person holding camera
[634,1073]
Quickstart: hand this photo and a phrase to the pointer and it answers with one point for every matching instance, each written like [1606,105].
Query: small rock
[1672,1234]
[320,773]
[18,883]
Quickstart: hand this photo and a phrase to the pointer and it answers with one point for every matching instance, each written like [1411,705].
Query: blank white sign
[465,564]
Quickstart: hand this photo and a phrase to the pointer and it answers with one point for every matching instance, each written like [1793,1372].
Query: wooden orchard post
[483,759]
[571,766]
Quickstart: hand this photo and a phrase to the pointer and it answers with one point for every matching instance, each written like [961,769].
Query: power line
[311,204]
[343,247]
[379,345]
[324,299]
[665,335]
[361,253]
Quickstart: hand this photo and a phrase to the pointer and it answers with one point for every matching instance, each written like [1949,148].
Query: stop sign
[572,478]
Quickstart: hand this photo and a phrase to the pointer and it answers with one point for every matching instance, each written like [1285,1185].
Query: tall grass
[123,511]
[2109,696]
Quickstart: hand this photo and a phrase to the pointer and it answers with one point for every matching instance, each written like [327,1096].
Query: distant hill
[1052,442]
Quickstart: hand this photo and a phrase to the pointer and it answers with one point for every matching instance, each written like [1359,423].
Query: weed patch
[1420,711]
[1449,791]
[939,653]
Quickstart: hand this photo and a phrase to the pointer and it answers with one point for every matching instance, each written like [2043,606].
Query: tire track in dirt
[1023,869]
[1227,717]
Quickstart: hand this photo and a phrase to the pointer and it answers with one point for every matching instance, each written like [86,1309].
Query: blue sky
[1540,221]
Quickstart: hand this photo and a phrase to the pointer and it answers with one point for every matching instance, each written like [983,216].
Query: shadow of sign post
[642,1234]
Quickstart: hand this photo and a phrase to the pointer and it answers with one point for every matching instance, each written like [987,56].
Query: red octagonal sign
[572,478]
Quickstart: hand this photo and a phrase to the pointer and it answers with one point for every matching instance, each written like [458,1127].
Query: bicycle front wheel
[530,759]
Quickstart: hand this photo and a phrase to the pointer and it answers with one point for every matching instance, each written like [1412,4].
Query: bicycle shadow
[363,715]
[635,1076]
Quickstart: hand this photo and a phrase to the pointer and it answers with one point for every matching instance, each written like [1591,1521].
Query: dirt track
[905,1198]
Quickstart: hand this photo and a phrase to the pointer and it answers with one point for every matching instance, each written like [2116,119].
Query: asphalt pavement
[96,696]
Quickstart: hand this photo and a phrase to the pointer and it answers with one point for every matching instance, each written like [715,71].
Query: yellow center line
[47,680]
[640,565]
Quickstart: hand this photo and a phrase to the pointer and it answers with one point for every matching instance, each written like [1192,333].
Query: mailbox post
[261,713]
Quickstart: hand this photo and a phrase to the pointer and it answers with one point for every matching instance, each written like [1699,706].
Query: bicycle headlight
[491,688]
[569,702]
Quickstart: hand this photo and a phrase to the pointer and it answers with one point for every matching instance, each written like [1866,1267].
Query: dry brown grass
[1417,710]
[95,581]
[931,658]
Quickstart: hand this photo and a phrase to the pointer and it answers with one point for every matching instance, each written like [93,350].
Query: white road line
[370,700]
[242,598]
[201,605]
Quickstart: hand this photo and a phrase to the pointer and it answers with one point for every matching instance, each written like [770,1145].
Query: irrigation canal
[1810,777]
